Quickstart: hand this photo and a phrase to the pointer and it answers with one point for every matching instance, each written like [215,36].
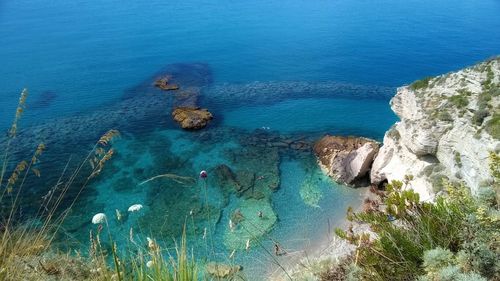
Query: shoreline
[328,248]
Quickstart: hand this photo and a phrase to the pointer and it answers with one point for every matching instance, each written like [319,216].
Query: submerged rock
[45,99]
[163,84]
[346,159]
[254,93]
[220,270]
[187,97]
[246,180]
[310,191]
[238,182]
[263,163]
[251,225]
[192,118]
[225,178]
[264,138]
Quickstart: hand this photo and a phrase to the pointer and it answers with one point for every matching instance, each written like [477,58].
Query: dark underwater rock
[45,99]
[225,178]
[246,180]
[192,118]
[286,144]
[263,163]
[259,93]
[187,97]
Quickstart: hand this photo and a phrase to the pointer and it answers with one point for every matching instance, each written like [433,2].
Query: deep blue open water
[269,71]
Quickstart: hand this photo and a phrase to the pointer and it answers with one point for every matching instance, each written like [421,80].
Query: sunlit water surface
[271,72]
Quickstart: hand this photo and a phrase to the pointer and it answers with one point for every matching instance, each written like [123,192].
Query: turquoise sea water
[269,71]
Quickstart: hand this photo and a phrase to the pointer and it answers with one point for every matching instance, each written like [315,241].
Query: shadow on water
[43,100]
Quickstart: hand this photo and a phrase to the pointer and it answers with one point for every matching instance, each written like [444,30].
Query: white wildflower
[135,208]
[99,218]
[149,264]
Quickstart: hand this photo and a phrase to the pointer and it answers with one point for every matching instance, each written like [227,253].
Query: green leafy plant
[411,238]
[420,84]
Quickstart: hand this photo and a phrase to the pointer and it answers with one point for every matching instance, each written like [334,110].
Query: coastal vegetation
[420,84]
[454,237]
[493,126]
[443,223]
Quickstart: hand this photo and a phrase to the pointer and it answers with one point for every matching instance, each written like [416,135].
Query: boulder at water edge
[346,159]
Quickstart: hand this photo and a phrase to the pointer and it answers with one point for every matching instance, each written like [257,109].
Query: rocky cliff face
[448,126]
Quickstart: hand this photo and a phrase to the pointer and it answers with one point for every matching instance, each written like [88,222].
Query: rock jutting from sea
[192,118]
[346,159]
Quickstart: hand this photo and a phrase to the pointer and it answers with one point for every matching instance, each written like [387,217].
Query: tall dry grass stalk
[20,239]
[141,263]
[24,241]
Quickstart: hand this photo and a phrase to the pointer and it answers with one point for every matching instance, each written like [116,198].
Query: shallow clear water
[269,71]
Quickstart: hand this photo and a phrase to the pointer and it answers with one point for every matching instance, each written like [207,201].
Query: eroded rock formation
[346,159]
[192,118]
[447,130]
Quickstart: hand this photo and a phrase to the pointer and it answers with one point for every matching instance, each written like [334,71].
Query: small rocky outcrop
[163,84]
[346,159]
[192,118]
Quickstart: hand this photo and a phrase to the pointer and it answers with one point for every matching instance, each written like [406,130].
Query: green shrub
[493,126]
[460,101]
[444,116]
[420,84]
[436,259]
[454,238]
[479,116]
[486,196]
[458,159]
[483,99]
[438,181]
[397,253]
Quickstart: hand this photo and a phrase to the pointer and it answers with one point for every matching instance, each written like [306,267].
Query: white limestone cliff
[448,126]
